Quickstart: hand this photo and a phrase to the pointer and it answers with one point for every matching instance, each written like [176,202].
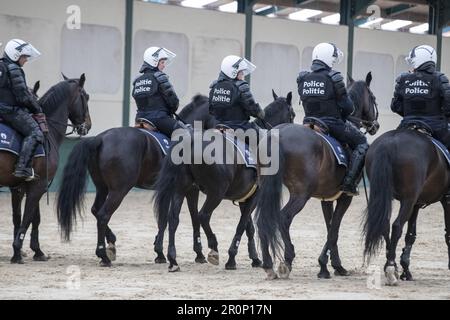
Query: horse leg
[406,208]
[445,203]
[158,244]
[112,202]
[211,203]
[17,195]
[34,242]
[174,219]
[252,253]
[34,194]
[192,201]
[246,211]
[409,241]
[341,208]
[100,197]
[294,206]
[327,210]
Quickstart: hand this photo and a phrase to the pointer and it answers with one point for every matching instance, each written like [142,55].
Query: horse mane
[356,91]
[54,96]
[196,101]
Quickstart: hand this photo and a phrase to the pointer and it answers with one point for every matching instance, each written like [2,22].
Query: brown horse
[405,165]
[308,169]
[65,101]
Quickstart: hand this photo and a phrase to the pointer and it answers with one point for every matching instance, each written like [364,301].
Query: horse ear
[349,79]
[369,78]
[289,98]
[275,97]
[36,87]
[82,80]
[64,76]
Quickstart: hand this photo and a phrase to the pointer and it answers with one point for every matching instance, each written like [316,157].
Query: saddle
[224,128]
[142,123]
[417,125]
[316,124]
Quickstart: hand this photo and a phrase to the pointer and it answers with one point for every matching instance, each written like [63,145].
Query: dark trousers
[164,123]
[346,133]
[22,121]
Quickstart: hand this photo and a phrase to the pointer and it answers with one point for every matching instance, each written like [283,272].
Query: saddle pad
[11,141]
[338,151]
[162,139]
[440,146]
[244,150]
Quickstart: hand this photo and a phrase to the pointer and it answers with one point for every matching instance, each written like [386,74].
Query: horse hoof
[174,268]
[283,271]
[324,275]
[391,276]
[201,260]
[111,252]
[256,263]
[271,275]
[41,258]
[341,272]
[213,258]
[105,264]
[160,260]
[406,276]
[230,266]
[17,260]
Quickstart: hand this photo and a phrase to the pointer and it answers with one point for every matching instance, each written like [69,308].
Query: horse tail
[169,178]
[378,211]
[70,200]
[268,208]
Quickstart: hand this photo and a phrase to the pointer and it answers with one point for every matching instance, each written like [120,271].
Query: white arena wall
[201,38]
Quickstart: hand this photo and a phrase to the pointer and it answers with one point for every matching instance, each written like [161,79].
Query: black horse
[218,181]
[118,160]
[308,168]
[65,101]
[405,165]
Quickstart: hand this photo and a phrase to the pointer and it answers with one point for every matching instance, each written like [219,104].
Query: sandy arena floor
[134,275]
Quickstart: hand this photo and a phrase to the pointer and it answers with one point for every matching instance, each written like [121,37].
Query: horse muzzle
[373,129]
[82,129]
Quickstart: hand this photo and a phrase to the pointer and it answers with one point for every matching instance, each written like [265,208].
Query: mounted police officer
[324,96]
[155,96]
[230,99]
[424,94]
[18,106]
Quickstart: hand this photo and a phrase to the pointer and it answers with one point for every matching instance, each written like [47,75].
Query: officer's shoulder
[213,83]
[336,76]
[242,85]
[442,77]
[303,74]
[161,76]
[401,76]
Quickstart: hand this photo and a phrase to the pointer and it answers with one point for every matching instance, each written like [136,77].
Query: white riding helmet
[421,54]
[153,55]
[232,65]
[16,48]
[328,53]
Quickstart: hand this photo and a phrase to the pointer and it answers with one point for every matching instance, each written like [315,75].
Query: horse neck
[57,123]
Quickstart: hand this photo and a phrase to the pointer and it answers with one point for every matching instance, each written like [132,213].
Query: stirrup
[23,174]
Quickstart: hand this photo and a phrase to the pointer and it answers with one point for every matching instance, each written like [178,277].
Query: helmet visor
[340,56]
[167,54]
[246,66]
[29,51]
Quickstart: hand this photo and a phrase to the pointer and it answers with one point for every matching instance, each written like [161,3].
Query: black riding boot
[356,165]
[24,169]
